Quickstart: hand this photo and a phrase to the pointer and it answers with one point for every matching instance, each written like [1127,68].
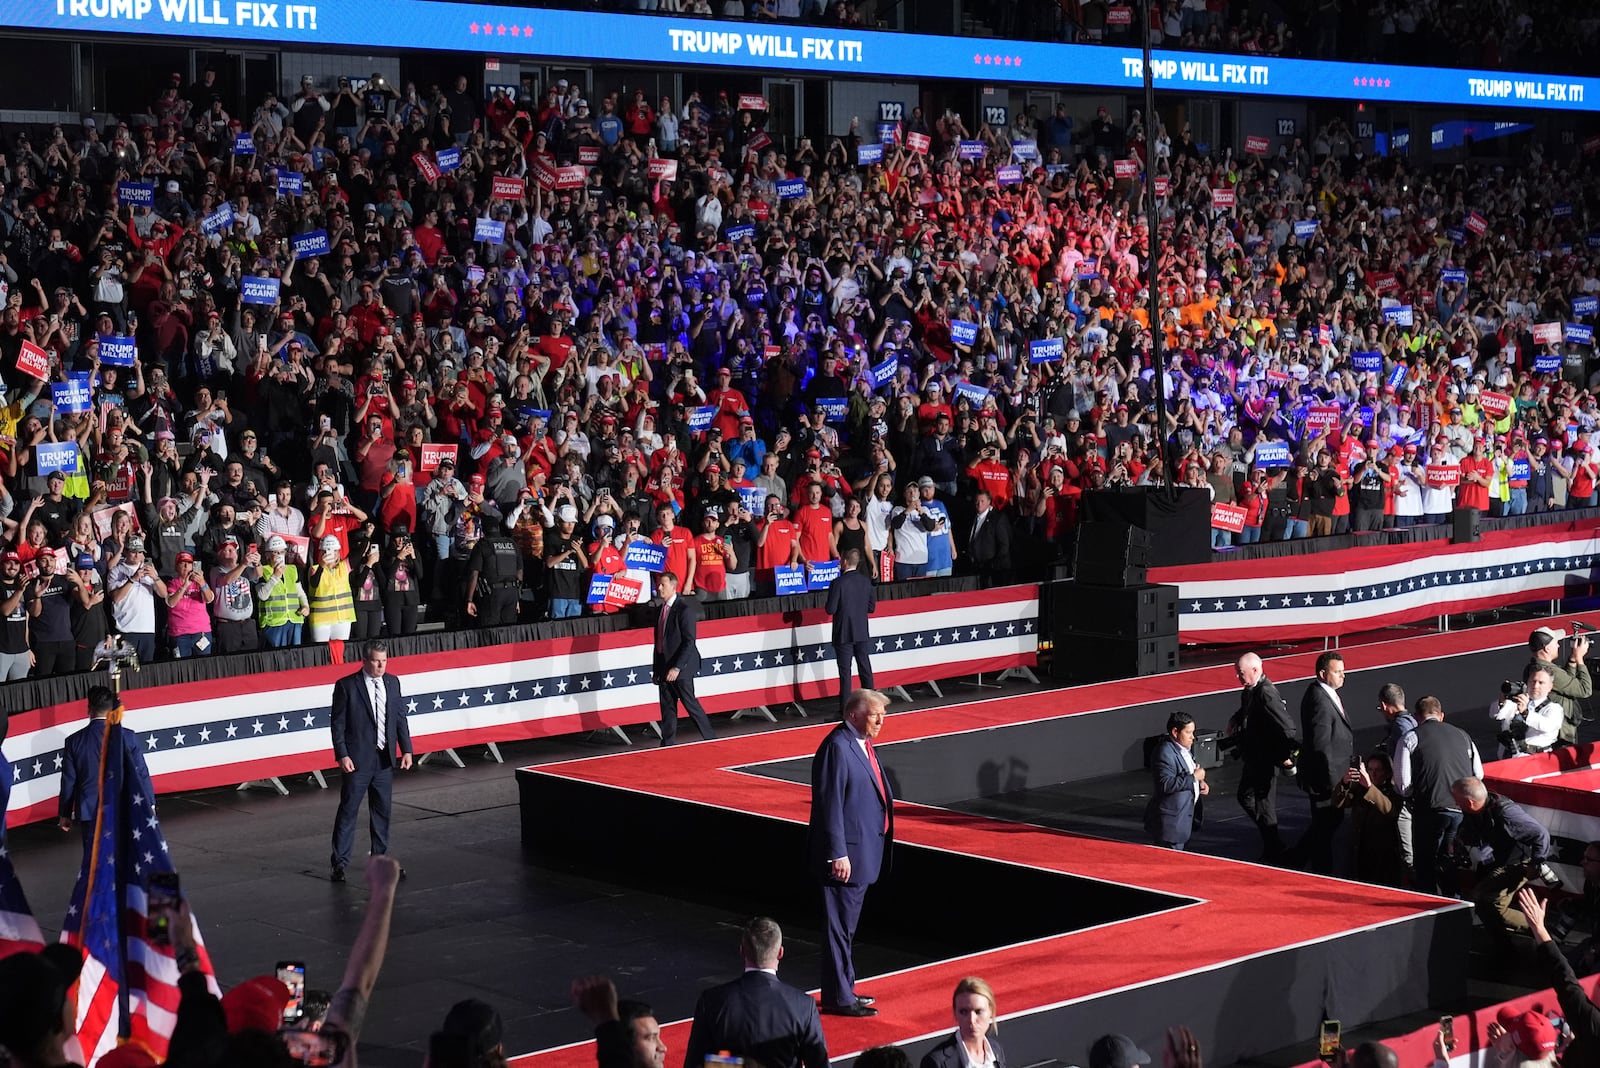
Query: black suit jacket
[759,1018]
[1327,743]
[989,549]
[946,1055]
[355,732]
[1265,730]
[851,600]
[675,643]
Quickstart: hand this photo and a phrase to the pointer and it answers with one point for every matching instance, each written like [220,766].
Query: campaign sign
[1592,240]
[72,395]
[490,230]
[1323,417]
[1455,276]
[1546,333]
[1579,334]
[820,576]
[1585,306]
[1560,211]
[1025,150]
[664,170]
[752,102]
[291,183]
[1400,315]
[1222,197]
[244,145]
[507,187]
[645,556]
[791,188]
[117,351]
[447,159]
[597,589]
[917,142]
[218,220]
[254,289]
[33,361]
[791,580]
[312,243]
[571,177]
[1161,185]
[434,454]
[869,154]
[1010,174]
[1272,454]
[963,332]
[1494,405]
[1477,224]
[741,232]
[1444,476]
[883,373]
[1227,517]
[1521,470]
[426,167]
[889,132]
[1324,334]
[700,418]
[834,408]
[1126,168]
[476,275]
[1119,16]
[1256,145]
[1367,362]
[56,456]
[622,591]
[1304,228]
[588,155]
[971,150]
[1456,234]
[1547,363]
[137,194]
[976,394]
[754,498]
[1277,374]
[1398,375]
[1046,349]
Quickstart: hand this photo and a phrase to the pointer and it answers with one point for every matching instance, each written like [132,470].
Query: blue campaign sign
[820,576]
[1579,334]
[645,556]
[56,456]
[971,150]
[791,189]
[754,498]
[136,194]
[1272,454]
[834,407]
[117,351]
[700,418]
[1045,350]
[1454,276]
[290,183]
[490,230]
[883,373]
[312,243]
[888,132]
[1585,306]
[1592,240]
[244,145]
[598,585]
[1304,228]
[1398,375]
[976,394]
[741,232]
[790,580]
[1400,315]
[218,220]
[1521,470]
[1010,174]
[1547,363]
[866,154]
[73,395]
[254,289]
[1367,362]
[447,159]
[963,332]
[1457,234]
[1560,211]
[1025,149]
[1365,415]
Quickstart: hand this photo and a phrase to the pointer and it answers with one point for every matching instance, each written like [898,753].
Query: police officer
[494,579]
[1570,681]
[80,773]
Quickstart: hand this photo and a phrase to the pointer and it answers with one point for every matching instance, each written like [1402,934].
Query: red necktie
[883,790]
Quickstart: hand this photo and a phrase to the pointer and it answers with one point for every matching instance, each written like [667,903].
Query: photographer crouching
[1570,681]
[1529,717]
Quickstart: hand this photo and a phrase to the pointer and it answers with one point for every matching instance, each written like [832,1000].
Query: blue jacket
[847,809]
[80,769]
[1169,817]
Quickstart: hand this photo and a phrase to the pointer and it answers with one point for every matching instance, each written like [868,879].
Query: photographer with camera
[1570,680]
[1530,719]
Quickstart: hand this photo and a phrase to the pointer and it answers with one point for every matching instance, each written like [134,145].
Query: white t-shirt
[135,613]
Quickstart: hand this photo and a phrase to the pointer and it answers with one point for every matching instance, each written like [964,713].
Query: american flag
[123,970]
[19,933]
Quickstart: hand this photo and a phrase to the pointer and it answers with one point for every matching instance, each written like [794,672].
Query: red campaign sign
[917,142]
[588,153]
[1384,282]
[297,548]
[1126,168]
[1276,375]
[622,592]
[1227,517]
[1444,477]
[1222,197]
[33,360]
[432,455]
[770,351]
[759,141]
[1256,145]
[1543,333]
[426,167]
[1477,224]
[665,170]
[1119,16]
[544,172]
[1161,185]
[752,102]
[655,350]
[1495,405]
[504,187]
[1322,417]
[571,177]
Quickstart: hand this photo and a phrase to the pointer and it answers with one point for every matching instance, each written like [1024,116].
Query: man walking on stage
[677,660]
[368,722]
[1325,755]
[848,842]
[850,601]
[1267,739]
[80,770]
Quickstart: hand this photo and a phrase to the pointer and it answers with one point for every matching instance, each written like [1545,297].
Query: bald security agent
[757,1016]
[850,601]
[848,840]
[1266,738]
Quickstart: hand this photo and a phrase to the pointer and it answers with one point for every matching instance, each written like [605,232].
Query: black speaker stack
[1108,623]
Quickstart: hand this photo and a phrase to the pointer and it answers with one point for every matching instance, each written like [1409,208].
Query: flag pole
[115,653]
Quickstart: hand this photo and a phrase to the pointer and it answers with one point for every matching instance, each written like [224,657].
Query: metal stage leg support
[1019,672]
[759,710]
[451,753]
[316,777]
[270,783]
[978,684]
[494,752]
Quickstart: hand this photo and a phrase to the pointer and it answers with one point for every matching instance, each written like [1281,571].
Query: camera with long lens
[1513,739]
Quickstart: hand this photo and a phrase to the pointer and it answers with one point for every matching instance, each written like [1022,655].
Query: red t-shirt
[816,529]
[779,546]
[677,544]
[711,571]
[1470,494]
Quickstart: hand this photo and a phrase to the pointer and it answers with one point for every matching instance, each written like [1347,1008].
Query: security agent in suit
[1178,785]
[989,538]
[1325,755]
[850,601]
[677,660]
[974,1041]
[848,840]
[368,722]
[756,1016]
[1266,739]
[80,766]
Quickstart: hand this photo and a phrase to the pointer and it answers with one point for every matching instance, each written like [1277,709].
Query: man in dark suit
[1178,785]
[756,1016]
[677,660]
[1266,738]
[850,601]
[80,766]
[989,543]
[368,722]
[1325,756]
[851,830]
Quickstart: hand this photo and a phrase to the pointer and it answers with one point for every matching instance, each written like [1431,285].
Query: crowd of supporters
[544,328]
